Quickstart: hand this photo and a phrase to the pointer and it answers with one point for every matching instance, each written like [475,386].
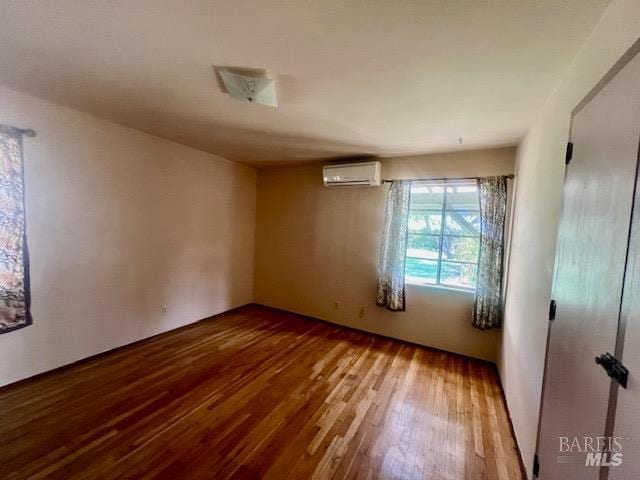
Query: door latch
[614,368]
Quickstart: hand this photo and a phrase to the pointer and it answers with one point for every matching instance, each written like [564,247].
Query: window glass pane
[427,197]
[423,221]
[461,235]
[463,197]
[463,223]
[458,274]
[423,246]
[419,270]
[460,249]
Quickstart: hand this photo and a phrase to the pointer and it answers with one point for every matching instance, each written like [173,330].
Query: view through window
[444,234]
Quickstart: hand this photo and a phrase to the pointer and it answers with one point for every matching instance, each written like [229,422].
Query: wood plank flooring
[260,393]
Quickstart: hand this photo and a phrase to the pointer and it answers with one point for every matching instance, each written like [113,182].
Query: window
[444,235]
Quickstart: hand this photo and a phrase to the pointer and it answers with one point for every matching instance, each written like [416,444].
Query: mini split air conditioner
[366,174]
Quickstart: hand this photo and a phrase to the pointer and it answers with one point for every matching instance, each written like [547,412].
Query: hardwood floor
[259,393]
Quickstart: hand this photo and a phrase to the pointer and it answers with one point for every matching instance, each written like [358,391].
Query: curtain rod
[27,132]
[443,179]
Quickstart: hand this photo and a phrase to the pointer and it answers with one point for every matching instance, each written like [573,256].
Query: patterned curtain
[393,249]
[14,258]
[487,308]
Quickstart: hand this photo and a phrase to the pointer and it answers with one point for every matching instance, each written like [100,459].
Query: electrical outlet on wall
[165,309]
[336,305]
[361,314]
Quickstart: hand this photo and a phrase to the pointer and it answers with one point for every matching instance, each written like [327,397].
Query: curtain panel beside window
[487,308]
[393,248]
[14,257]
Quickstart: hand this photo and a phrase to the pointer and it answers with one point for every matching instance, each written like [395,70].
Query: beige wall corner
[120,224]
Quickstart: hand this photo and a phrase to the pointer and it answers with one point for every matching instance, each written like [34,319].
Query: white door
[626,428]
[589,273]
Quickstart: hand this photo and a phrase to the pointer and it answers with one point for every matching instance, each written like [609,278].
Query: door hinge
[536,466]
[614,368]
[569,153]
[552,310]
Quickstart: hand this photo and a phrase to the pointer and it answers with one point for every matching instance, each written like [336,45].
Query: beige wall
[119,224]
[540,172]
[316,246]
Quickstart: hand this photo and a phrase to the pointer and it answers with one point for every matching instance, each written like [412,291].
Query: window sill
[450,288]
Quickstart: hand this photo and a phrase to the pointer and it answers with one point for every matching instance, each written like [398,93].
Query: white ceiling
[385,77]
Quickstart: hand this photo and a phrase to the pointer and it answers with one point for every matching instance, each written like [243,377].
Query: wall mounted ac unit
[366,174]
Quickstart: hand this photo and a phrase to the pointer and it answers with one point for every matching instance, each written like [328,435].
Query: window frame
[441,236]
